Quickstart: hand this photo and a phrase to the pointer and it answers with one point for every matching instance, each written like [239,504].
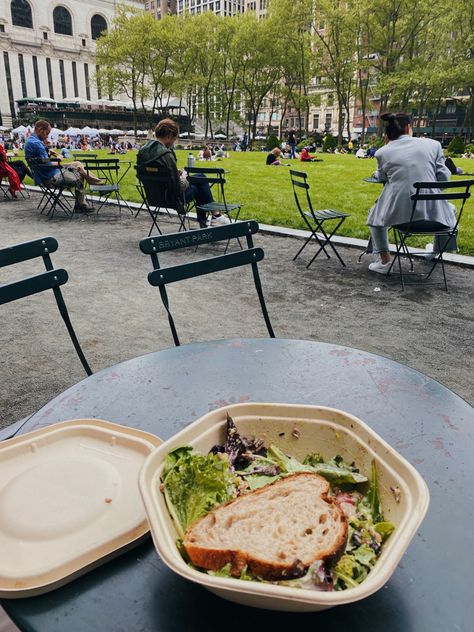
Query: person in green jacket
[160,153]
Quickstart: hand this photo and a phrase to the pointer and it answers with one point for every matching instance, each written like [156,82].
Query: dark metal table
[162,392]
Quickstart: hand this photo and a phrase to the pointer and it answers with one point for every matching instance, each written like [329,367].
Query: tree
[299,63]
[120,58]
[335,29]
[261,67]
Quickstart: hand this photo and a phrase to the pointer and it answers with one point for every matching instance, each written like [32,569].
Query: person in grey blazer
[402,161]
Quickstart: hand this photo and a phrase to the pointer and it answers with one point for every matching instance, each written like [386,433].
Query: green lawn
[335,183]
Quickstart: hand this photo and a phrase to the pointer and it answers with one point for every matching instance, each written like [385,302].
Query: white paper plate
[69,500]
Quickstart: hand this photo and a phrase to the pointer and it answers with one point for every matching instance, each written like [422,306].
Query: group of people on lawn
[402,161]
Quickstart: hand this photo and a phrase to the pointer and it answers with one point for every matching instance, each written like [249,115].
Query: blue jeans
[292,150]
[200,192]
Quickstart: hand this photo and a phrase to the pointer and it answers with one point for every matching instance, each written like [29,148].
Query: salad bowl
[296,430]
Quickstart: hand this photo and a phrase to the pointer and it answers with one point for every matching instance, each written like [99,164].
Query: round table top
[162,392]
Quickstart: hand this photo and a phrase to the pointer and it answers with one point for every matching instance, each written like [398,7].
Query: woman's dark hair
[396,124]
[166,127]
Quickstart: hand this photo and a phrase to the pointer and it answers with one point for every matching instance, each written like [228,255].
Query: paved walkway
[118,315]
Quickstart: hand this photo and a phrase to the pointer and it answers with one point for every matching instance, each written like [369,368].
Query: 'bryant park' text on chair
[314,219]
[445,238]
[161,276]
[52,279]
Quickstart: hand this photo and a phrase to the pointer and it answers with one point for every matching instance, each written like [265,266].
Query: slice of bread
[278,531]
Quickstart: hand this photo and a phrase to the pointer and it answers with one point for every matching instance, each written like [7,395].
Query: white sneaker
[218,220]
[381,268]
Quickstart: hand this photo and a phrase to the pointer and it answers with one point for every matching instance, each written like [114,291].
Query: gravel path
[118,315]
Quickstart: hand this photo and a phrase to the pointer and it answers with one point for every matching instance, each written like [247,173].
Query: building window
[50,77]
[62,21]
[83,42]
[328,121]
[86,77]
[8,76]
[98,26]
[36,74]
[451,108]
[2,28]
[45,35]
[315,121]
[21,14]
[74,79]
[99,91]
[22,75]
[63,78]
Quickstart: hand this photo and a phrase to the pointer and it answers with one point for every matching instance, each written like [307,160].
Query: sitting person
[7,171]
[160,152]
[273,158]
[305,156]
[401,162]
[360,153]
[49,173]
[207,153]
[65,153]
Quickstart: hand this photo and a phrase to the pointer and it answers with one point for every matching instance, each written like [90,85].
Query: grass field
[337,183]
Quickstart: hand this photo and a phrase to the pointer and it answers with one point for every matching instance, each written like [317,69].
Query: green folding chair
[161,276]
[315,219]
[52,279]
[445,237]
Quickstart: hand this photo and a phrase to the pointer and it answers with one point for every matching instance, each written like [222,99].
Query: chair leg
[67,321]
[329,242]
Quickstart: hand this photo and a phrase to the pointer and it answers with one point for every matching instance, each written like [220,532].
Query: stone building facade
[47,49]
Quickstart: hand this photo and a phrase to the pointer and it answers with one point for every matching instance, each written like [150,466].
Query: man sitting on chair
[160,152]
[49,174]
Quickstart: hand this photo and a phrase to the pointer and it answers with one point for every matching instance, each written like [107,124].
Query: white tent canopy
[73,131]
[21,129]
[54,133]
[89,131]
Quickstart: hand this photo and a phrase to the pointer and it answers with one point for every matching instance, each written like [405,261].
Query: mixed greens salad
[195,483]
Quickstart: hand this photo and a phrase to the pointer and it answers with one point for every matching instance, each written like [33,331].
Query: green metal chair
[314,219]
[456,190]
[161,276]
[53,197]
[153,186]
[217,181]
[108,169]
[52,279]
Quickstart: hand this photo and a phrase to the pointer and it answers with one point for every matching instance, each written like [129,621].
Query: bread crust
[210,558]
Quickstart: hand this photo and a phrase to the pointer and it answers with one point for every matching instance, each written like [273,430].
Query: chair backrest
[157,188]
[82,156]
[215,177]
[301,192]
[106,168]
[52,279]
[451,190]
[161,276]
[38,164]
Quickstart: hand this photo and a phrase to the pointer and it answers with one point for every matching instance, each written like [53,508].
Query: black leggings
[21,169]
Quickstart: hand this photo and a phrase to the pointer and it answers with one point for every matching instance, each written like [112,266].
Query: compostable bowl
[297,430]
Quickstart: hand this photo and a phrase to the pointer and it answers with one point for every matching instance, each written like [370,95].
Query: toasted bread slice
[278,531]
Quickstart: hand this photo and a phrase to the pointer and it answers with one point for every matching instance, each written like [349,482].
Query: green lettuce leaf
[194,484]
